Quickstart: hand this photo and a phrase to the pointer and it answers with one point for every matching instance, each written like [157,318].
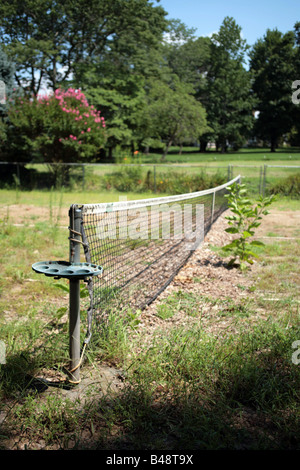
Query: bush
[11,176]
[132,178]
[61,127]
[181,183]
[125,179]
[289,186]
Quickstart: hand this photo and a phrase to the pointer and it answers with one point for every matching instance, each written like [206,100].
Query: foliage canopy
[154,81]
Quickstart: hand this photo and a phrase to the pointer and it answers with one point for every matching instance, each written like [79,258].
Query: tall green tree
[115,79]
[48,38]
[121,99]
[186,56]
[173,114]
[294,135]
[225,93]
[7,83]
[272,62]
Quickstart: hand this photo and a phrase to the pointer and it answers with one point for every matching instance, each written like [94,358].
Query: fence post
[229,173]
[260,180]
[74,296]
[213,208]
[83,177]
[264,179]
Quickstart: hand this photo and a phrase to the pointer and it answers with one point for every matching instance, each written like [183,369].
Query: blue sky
[254,17]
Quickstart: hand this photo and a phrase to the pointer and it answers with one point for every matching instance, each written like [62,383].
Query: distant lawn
[44,198]
[87,184]
[192,155]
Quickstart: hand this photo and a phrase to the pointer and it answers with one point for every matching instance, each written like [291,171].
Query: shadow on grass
[199,393]
[245,397]
[158,421]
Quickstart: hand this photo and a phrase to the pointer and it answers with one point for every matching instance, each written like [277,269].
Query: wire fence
[89,176]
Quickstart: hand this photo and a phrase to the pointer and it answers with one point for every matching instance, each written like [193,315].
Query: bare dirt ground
[20,214]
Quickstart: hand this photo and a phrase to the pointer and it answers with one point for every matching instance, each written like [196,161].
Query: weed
[289,186]
[179,300]
[133,179]
[245,219]
[50,420]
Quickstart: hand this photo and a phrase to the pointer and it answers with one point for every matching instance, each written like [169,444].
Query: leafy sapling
[245,218]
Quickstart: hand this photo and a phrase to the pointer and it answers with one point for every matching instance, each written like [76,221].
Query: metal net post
[74,296]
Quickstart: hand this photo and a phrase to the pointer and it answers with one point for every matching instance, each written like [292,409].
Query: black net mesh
[142,245]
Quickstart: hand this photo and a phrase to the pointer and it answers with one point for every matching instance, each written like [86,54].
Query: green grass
[249,155]
[281,268]
[41,198]
[189,388]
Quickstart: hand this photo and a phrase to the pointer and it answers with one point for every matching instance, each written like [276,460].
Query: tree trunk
[203,145]
[166,150]
[223,147]
[273,144]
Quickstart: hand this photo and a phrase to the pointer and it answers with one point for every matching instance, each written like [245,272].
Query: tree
[225,93]
[115,79]
[48,38]
[272,64]
[7,83]
[186,56]
[294,135]
[121,100]
[230,108]
[173,114]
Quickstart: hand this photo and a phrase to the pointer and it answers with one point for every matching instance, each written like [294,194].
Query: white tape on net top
[103,207]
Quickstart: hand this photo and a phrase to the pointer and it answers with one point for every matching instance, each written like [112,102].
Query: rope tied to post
[72,231]
[78,365]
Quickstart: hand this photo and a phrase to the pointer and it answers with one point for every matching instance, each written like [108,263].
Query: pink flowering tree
[59,128]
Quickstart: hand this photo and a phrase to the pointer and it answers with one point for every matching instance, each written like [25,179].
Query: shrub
[61,127]
[289,186]
[128,178]
[132,178]
[243,222]
[181,183]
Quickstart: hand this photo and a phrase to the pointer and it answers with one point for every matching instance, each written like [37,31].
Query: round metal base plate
[64,269]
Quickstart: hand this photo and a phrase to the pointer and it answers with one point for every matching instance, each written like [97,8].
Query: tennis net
[143,244]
